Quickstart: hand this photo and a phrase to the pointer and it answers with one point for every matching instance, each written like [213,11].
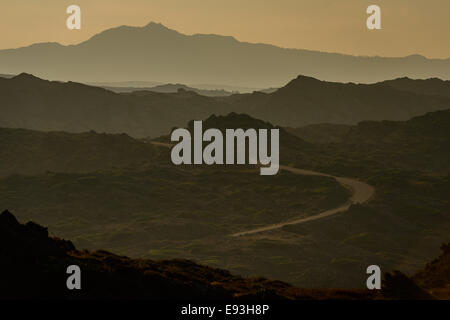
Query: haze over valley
[85,151]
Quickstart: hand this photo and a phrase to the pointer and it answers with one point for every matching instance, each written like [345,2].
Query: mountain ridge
[306,100]
[32,103]
[157,53]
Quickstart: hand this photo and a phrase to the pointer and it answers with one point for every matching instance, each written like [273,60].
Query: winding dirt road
[361,192]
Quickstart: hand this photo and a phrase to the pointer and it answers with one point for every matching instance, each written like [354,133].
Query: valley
[140,206]
[261,155]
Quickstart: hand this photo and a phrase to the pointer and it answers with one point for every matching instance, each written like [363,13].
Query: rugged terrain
[28,102]
[34,265]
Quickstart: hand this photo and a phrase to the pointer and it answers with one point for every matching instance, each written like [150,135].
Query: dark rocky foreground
[33,265]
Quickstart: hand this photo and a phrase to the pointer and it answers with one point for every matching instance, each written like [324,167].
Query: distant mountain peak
[159,28]
[153,51]
[25,77]
[305,78]
[7,218]
[136,33]
[300,81]
[156,25]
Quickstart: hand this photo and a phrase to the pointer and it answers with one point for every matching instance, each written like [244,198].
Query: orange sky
[409,26]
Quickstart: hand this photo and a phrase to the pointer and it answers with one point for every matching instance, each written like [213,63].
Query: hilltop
[244,121]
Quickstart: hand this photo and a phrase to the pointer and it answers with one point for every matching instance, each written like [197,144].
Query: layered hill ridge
[32,103]
[306,100]
[432,86]
[171,88]
[157,53]
[421,143]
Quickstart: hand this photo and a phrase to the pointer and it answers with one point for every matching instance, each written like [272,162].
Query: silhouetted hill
[306,100]
[433,125]
[421,143]
[435,277]
[33,152]
[291,146]
[157,53]
[430,129]
[243,121]
[31,103]
[432,282]
[145,85]
[35,267]
[172,88]
[434,86]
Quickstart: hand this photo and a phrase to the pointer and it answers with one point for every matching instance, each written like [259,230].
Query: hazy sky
[409,26]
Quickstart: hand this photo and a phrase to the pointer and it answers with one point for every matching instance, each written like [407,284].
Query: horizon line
[151,23]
